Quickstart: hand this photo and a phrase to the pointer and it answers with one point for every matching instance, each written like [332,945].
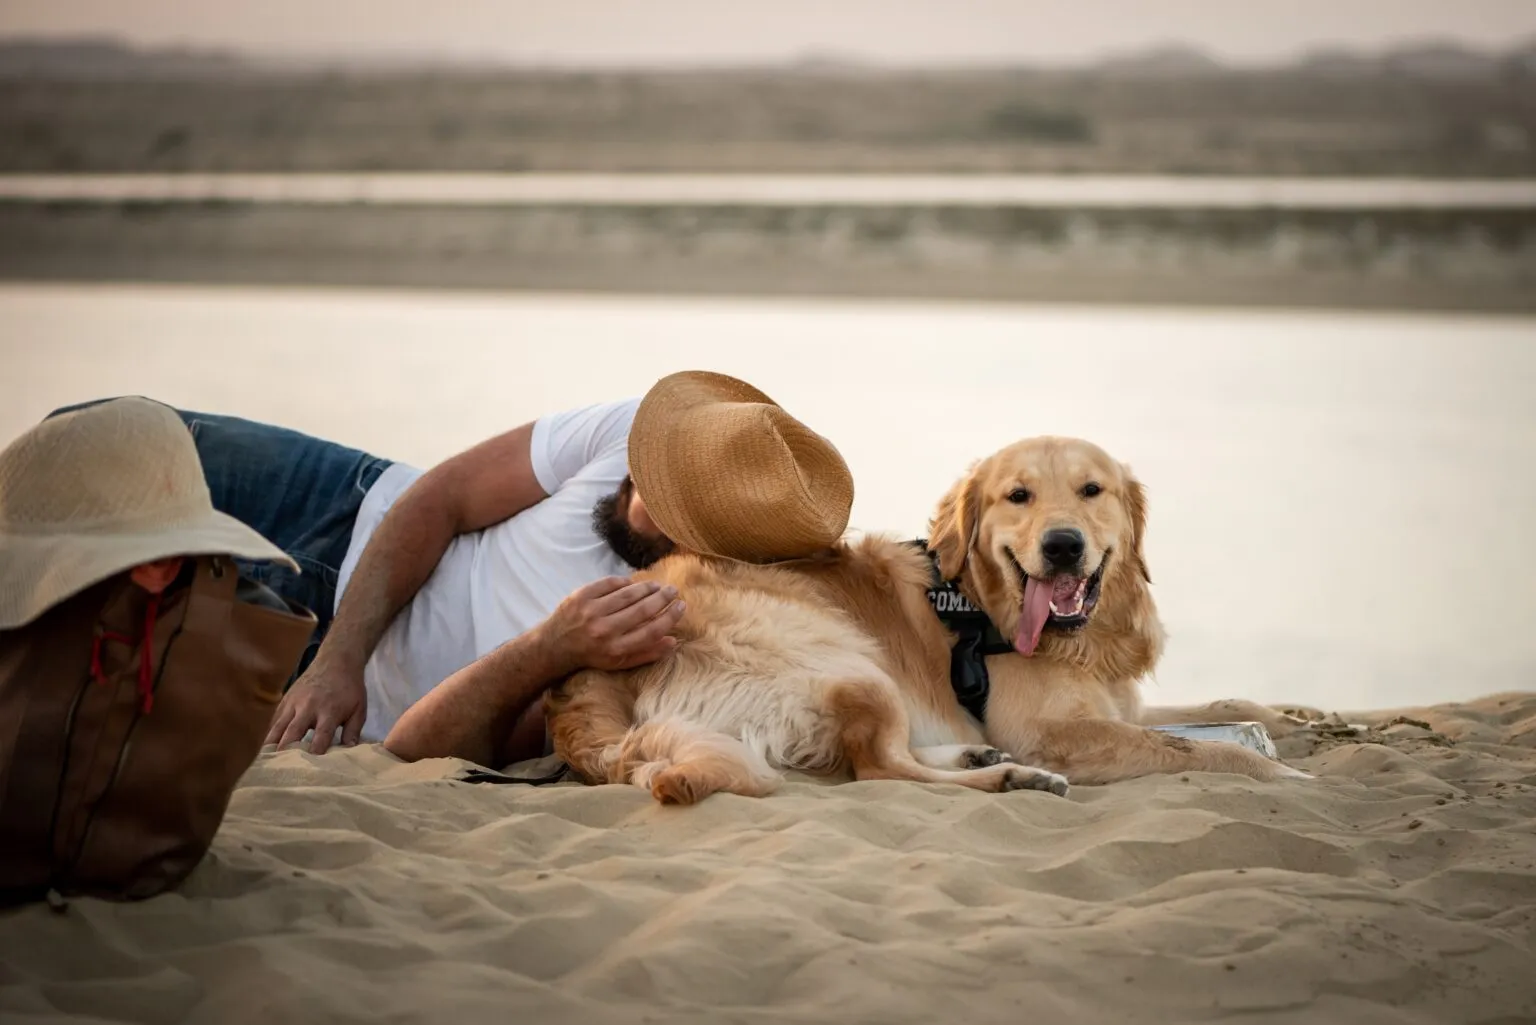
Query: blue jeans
[299,492]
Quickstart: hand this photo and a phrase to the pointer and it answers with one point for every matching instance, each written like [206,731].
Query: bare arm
[474,714]
[471,491]
[475,489]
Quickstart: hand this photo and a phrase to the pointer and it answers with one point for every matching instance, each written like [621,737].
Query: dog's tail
[681,762]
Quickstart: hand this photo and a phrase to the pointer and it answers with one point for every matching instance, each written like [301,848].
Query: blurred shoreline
[1466,259]
[1164,192]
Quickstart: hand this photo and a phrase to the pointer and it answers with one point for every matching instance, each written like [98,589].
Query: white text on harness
[950,601]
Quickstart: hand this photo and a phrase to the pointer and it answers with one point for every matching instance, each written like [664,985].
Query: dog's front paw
[1022,777]
[982,757]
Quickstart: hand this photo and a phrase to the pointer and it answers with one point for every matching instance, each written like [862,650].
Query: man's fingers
[622,598]
[659,626]
[653,634]
[280,720]
[601,588]
[325,732]
[662,623]
[643,611]
[297,727]
[353,730]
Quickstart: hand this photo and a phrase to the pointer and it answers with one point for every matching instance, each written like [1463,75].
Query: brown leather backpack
[126,719]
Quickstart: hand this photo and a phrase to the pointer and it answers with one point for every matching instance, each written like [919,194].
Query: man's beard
[610,520]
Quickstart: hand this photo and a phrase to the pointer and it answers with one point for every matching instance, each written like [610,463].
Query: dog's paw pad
[1024,778]
[984,758]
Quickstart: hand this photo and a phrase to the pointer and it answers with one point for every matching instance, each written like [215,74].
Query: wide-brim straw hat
[88,494]
[725,471]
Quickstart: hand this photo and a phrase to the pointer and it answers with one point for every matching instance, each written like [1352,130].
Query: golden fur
[838,664]
[1075,705]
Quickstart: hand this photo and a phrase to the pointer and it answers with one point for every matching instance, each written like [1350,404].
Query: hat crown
[775,477]
[88,494]
[126,464]
[724,470]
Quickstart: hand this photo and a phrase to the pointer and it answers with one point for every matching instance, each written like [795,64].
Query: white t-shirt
[497,583]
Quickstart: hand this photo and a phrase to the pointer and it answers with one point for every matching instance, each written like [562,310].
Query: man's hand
[614,623]
[322,699]
[474,714]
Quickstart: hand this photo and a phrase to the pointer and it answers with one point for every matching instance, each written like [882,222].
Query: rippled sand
[1400,886]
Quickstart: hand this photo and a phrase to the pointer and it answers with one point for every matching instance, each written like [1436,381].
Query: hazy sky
[711,31]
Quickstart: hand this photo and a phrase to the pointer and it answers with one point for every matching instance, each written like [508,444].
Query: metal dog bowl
[1248,734]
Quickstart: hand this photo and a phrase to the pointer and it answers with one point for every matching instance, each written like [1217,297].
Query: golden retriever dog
[840,665]
[1047,537]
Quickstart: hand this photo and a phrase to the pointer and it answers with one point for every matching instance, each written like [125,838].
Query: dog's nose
[1063,547]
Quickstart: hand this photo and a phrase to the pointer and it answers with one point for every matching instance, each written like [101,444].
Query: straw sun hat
[725,471]
[94,492]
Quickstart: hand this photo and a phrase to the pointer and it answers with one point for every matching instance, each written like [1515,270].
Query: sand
[1399,886]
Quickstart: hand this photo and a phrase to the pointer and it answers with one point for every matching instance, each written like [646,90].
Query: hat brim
[42,570]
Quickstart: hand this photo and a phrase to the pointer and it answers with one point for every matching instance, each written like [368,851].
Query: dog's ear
[1136,509]
[952,533]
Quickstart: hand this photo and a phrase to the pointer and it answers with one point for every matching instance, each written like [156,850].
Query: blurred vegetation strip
[1450,259]
[1320,118]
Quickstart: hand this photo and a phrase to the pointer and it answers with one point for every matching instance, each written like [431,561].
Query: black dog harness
[975,639]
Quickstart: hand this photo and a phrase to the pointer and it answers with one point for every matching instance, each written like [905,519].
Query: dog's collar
[975,639]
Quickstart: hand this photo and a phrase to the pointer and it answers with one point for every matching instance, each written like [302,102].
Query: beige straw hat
[94,492]
[725,471]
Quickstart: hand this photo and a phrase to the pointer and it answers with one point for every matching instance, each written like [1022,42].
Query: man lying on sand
[464,591]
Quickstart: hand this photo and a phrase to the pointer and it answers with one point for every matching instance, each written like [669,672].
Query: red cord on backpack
[146,654]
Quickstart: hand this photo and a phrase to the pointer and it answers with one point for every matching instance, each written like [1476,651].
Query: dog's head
[1047,536]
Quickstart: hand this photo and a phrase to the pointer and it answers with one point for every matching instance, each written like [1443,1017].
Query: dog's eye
[1018,496]
[1090,489]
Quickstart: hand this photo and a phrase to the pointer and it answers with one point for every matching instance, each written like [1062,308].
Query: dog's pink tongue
[1037,609]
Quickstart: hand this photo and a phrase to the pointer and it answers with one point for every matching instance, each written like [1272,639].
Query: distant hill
[1439,60]
[1339,62]
[1421,60]
[1425,59]
[109,57]
[1169,61]
[106,57]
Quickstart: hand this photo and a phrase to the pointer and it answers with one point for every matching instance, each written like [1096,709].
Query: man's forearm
[400,557]
[473,713]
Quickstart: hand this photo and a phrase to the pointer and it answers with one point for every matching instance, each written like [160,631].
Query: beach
[1292,297]
[1397,886]
[1311,476]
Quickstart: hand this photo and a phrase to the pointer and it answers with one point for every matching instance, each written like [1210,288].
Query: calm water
[797,190]
[1342,507]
